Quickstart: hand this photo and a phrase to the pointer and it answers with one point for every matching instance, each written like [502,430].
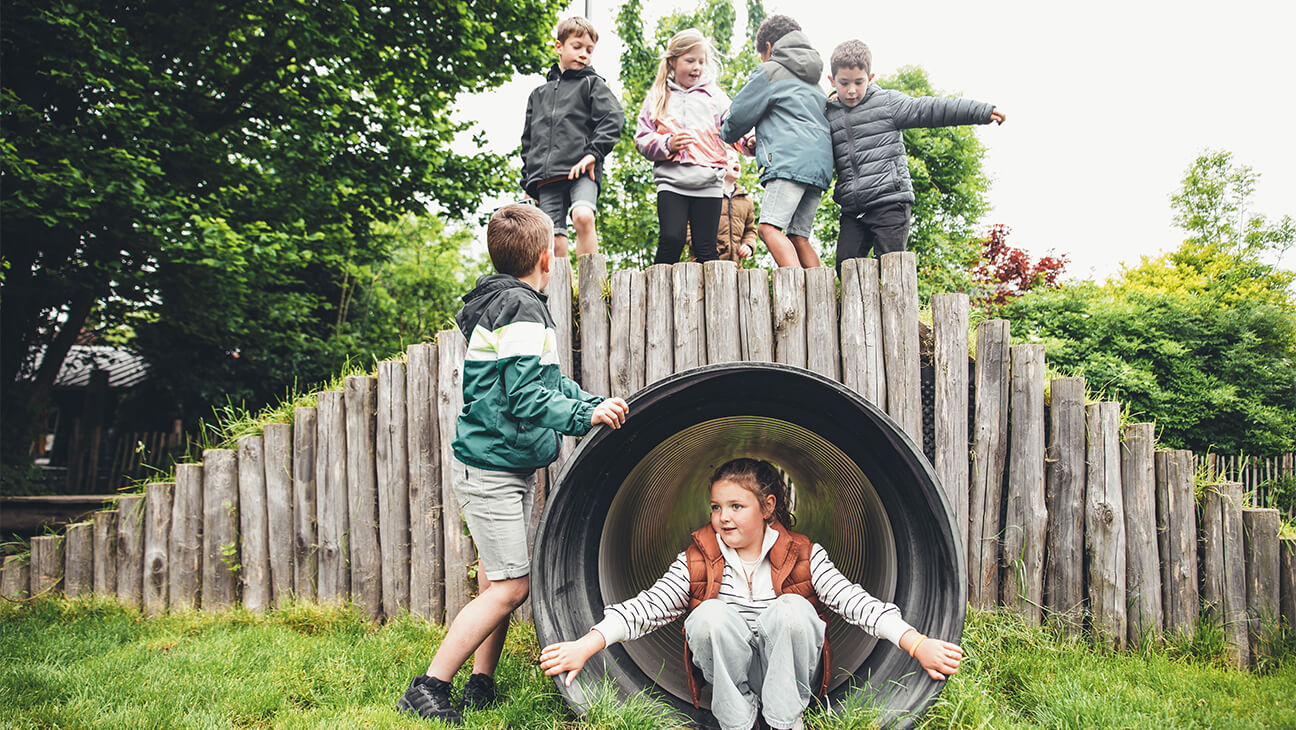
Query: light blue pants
[771,667]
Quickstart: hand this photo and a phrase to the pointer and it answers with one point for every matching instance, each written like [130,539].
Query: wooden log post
[593,278]
[361,393]
[105,552]
[1064,571]
[755,328]
[863,368]
[789,316]
[559,293]
[1287,581]
[427,551]
[720,284]
[1105,523]
[690,315]
[219,529]
[626,333]
[459,551]
[989,459]
[254,530]
[157,535]
[1142,561]
[822,352]
[899,286]
[305,506]
[78,559]
[1234,582]
[184,543]
[1026,513]
[130,550]
[1212,553]
[46,564]
[15,578]
[659,354]
[331,512]
[278,441]
[1177,533]
[1260,529]
[393,487]
[950,333]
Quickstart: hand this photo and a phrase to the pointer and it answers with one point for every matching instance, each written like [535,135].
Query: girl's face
[687,69]
[738,516]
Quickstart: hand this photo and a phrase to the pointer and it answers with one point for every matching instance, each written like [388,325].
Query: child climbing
[754,595]
[679,130]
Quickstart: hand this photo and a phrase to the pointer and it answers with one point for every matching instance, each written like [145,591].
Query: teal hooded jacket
[516,399]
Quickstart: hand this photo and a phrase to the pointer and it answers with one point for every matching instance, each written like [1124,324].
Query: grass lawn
[90,663]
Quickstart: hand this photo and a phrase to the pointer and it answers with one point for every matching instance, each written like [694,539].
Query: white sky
[1108,103]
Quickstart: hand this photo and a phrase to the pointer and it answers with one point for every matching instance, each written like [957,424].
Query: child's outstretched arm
[997,116]
[940,658]
[570,656]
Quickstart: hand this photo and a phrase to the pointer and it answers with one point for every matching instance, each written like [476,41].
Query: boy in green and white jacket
[516,402]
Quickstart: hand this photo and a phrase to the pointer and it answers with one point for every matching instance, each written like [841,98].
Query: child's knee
[514,590]
[790,613]
[708,616]
[582,217]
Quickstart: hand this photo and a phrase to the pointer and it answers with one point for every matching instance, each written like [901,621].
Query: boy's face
[575,52]
[850,83]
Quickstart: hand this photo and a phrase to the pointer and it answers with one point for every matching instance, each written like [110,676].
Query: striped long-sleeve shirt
[667,599]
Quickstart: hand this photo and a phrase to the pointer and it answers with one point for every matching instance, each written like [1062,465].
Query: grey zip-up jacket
[783,101]
[868,144]
[572,114]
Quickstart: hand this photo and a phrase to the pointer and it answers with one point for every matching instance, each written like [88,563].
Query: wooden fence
[1068,515]
[1258,476]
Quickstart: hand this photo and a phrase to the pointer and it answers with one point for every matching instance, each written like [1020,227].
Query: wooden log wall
[1064,515]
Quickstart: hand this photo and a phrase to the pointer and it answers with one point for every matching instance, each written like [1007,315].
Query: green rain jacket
[516,400]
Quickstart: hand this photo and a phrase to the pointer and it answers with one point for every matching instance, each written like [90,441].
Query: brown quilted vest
[789,568]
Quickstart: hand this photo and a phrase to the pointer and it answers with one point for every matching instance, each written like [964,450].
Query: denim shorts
[557,199]
[790,206]
[497,507]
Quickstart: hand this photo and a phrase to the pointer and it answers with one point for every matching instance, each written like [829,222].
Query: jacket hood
[571,73]
[794,52]
[489,287]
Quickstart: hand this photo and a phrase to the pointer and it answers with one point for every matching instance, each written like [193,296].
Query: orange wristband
[913,648]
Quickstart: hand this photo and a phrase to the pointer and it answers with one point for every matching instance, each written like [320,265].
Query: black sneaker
[479,692]
[429,697]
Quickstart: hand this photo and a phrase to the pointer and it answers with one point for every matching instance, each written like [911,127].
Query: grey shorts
[497,507]
[790,206]
[558,199]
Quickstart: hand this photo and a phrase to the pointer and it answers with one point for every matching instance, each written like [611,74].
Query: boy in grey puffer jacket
[866,121]
[783,101]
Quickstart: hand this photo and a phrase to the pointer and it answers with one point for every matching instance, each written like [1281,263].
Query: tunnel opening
[627,499]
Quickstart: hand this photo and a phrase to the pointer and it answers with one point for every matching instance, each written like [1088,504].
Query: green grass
[90,663]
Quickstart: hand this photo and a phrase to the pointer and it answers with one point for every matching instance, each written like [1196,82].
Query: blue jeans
[770,668]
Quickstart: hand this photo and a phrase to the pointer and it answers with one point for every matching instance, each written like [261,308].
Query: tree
[241,151]
[1006,272]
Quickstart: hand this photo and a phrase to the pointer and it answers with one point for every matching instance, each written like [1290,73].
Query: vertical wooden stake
[362,493]
[393,487]
[184,544]
[1027,516]
[989,458]
[1064,572]
[220,548]
[278,438]
[157,533]
[78,570]
[1142,563]
[130,550]
[427,551]
[254,531]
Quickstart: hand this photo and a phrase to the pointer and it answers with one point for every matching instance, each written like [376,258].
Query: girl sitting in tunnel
[755,596]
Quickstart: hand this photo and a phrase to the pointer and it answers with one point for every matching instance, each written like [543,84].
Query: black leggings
[679,213]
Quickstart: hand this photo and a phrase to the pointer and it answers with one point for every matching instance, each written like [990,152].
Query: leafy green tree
[1201,340]
[227,161]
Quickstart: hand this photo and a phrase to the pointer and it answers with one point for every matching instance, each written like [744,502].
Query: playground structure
[1058,511]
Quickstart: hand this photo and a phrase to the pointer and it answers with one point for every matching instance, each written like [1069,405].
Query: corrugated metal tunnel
[627,500]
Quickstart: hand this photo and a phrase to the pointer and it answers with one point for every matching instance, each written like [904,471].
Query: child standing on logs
[679,130]
[755,595]
[516,402]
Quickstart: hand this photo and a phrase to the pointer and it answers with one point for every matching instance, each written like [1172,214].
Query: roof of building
[125,367]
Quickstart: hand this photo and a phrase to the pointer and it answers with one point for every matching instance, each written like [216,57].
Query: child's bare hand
[749,144]
[612,412]
[680,140]
[586,164]
[570,656]
[997,116]
[940,658]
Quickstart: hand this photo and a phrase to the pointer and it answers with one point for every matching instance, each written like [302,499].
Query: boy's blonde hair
[852,54]
[681,43]
[516,237]
[576,25]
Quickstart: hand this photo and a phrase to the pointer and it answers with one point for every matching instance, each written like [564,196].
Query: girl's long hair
[681,43]
[762,479]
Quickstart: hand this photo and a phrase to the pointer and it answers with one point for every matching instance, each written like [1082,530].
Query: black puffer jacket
[868,147]
[572,114]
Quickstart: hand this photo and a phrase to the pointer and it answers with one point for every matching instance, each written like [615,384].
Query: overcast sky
[1108,103]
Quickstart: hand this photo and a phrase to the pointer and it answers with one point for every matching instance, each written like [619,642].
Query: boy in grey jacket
[783,101]
[866,121]
[572,122]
